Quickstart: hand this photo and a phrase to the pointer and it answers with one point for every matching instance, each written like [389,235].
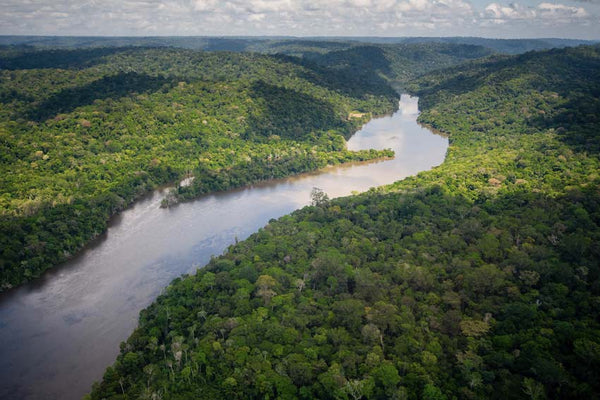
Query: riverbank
[62,330]
[83,143]
[477,279]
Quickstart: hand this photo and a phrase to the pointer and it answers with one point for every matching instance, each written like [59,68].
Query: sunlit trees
[445,285]
[78,145]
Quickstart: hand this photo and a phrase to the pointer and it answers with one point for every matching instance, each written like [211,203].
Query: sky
[577,19]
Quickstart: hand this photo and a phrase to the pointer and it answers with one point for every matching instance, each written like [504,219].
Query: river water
[59,333]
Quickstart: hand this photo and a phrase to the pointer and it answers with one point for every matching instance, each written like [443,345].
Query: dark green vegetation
[478,279]
[397,64]
[508,46]
[85,132]
[282,45]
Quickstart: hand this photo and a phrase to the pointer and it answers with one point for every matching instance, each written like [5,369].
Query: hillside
[397,64]
[478,279]
[284,45]
[506,46]
[85,132]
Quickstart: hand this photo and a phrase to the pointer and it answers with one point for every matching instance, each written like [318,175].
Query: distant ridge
[268,43]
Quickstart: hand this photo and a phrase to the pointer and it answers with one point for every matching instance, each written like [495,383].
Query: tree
[534,389]
[386,380]
[318,197]
[432,392]
[265,284]
[355,388]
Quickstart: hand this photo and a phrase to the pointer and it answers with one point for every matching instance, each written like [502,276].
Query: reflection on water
[58,334]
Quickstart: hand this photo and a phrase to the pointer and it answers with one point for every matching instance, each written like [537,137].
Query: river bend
[59,333]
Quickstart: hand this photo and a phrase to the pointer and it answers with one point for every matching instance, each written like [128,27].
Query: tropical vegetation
[477,279]
[85,132]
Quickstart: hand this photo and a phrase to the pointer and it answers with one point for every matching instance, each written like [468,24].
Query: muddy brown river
[59,333]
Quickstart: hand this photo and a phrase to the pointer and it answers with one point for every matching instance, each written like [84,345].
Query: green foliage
[297,47]
[83,133]
[478,279]
[397,63]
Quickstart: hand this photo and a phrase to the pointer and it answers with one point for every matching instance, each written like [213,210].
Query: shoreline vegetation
[208,181]
[92,138]
[85,131]
[477,279]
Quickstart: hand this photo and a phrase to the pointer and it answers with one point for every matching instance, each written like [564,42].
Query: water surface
[59,333]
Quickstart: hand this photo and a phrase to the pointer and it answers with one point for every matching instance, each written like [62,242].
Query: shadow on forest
[114,87]
[65,59]
[307,49]
[577,123]
[289,114]
[494,71]
[570,76]
[361,60]
[354,72]
[223,44]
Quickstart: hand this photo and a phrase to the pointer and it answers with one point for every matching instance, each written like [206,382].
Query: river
[59,333]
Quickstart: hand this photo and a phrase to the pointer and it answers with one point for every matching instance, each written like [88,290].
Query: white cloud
[301,17]
[59,15]
[511,11]
[256,17]
[431,15]
[205,5]
[548,10]
[360,3]
[414,6]
[173,8]
[274,6]
[384,5]
[542,13]
[428,8]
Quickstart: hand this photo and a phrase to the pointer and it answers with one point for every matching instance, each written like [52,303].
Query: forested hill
[84,132]
[507,46]
[478,279]
[285,45]
[399,63]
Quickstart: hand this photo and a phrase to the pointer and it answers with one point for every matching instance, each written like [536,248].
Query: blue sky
[487,18]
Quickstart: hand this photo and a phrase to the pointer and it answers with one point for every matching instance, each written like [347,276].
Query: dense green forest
[281,45]
[478,279]
[84,132]
[506,46]
[397,64]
